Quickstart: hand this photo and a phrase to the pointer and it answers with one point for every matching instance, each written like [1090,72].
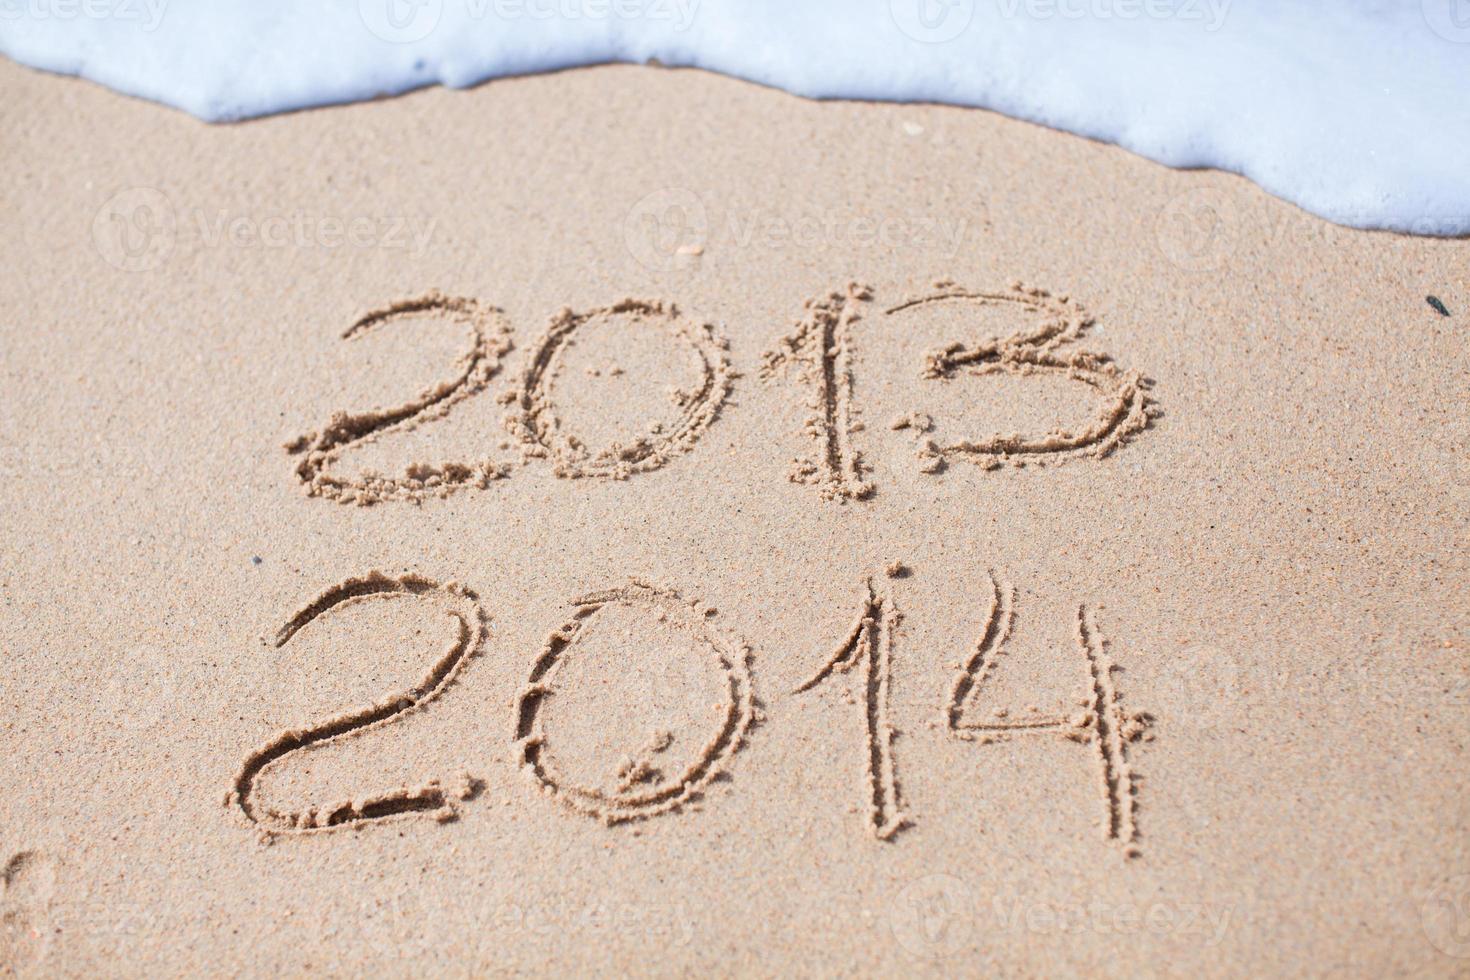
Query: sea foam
[1356,110]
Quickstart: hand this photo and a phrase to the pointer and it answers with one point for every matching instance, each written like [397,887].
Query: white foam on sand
[1357,110]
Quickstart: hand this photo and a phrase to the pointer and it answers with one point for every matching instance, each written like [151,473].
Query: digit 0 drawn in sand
[1125,411]
[650,782]
[1102,723]
[870,642]
[489,342]
[539,427]
[821,348]
[27,881]
[436,798]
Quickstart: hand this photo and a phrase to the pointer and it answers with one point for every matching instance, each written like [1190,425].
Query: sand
[633,520]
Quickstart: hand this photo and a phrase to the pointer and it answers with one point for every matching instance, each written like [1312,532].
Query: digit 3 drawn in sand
[539,426]
[489,341]
[1125,409]
[436,798]
[870,643]
[821,349]
[27,881]
[1102,723]
[652,781]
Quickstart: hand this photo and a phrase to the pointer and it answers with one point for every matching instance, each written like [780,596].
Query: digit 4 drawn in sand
[1102,722]
[870,643]
[536,422]
[823,350]
[668,771]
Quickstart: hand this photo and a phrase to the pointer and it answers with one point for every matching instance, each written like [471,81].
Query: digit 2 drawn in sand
[536,422]
[870,642]
[1102,723]
[1125,410]
[822,347]
[539,427]
[489,342]
[641,788]
[433,798]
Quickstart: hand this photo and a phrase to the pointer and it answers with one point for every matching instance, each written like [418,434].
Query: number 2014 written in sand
[674,764]
[668,769]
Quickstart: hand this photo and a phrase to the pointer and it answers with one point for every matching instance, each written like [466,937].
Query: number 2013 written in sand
[818,356]
[668,769]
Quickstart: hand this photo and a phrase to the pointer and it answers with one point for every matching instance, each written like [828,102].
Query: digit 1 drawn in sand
[870,642]
[821,347]
[1103,723]
[435,798]
[539,428]
[27,880]
[643,788]
[1125,411]
[490,340]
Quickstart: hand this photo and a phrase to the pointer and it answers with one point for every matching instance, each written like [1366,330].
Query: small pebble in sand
[1438,305]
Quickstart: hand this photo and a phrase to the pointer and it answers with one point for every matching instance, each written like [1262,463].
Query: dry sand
[702,556]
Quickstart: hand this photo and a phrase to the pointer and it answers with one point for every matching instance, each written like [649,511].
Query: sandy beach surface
[630,519]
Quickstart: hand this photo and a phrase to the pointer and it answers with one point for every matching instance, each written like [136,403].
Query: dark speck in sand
[1439,306]
[255,560]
